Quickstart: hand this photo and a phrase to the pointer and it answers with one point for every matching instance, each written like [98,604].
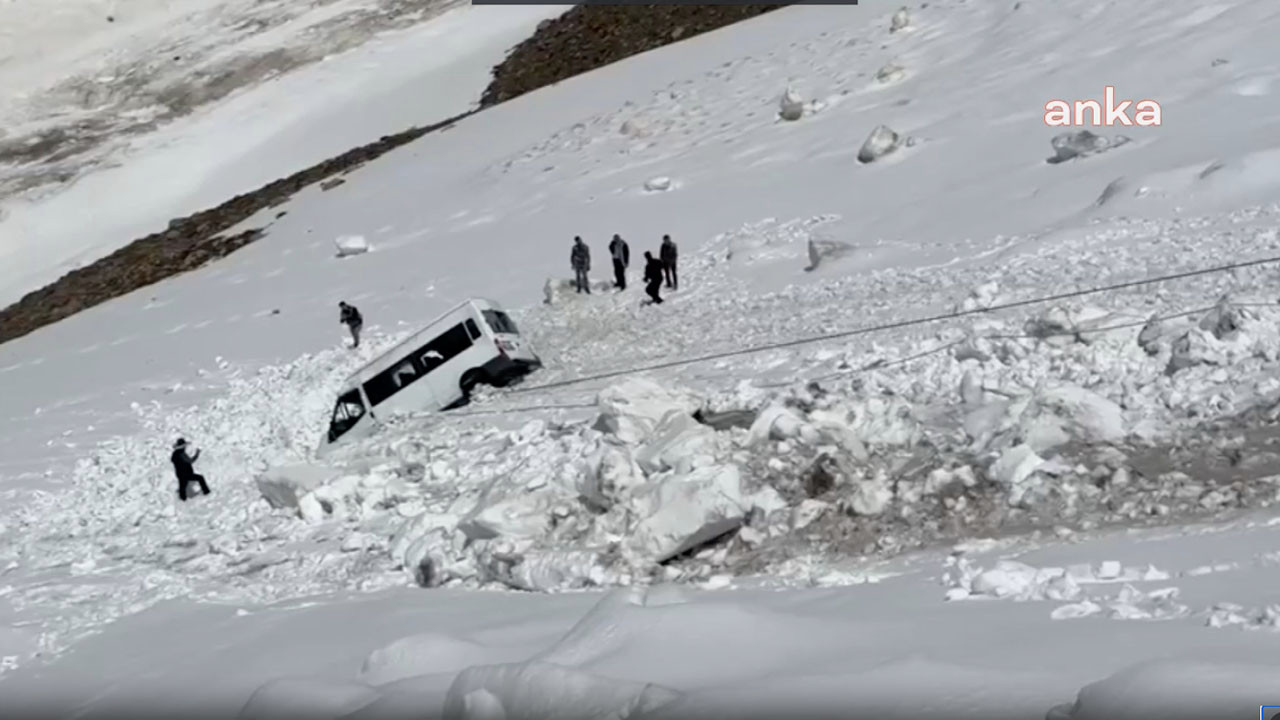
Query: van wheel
[470,379]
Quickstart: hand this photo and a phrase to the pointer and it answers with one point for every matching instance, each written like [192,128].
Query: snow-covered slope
[243,358]
[299,106]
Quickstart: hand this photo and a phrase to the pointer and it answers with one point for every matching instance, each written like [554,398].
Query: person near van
[183,468]
[621,261]
[351,317]
[652,276]
[668,255]
[580,260]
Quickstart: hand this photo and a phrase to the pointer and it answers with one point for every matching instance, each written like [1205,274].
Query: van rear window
[500,322]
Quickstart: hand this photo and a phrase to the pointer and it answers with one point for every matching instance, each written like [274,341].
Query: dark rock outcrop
[592,36]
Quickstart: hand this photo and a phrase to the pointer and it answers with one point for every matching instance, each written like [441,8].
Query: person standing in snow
[182,467]
[351,317]
[668,255]
[580,260]
[652,276]
[621,260]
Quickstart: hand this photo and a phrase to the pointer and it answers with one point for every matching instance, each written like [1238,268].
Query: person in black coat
[652,276]
[668,255]
[621,253]
[182,467]
[580,260]
[350,316]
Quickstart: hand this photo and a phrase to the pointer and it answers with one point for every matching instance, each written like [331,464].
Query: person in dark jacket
[580,260]
[652,276]
[182,467]
[621,254]
[351,317]
[668,255]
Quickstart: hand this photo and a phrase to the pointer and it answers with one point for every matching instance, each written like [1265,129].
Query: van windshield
[346,413]
[500,322]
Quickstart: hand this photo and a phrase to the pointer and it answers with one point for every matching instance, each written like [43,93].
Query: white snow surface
[683,570]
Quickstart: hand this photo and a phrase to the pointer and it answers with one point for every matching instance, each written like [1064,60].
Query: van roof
[399,348]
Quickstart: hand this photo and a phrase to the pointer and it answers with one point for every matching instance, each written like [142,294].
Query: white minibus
[434,369]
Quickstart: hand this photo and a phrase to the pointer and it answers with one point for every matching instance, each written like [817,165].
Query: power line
[900,324]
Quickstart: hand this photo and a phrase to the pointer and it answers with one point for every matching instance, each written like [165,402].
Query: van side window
[393,380]
[500,322]
[444,348]
[348,410]
[472,329]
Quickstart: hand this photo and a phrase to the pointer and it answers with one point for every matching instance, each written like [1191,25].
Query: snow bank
[298,698]
[421,654]
[537,690]
[1177,690]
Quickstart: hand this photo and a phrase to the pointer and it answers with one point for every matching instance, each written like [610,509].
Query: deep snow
[965,212]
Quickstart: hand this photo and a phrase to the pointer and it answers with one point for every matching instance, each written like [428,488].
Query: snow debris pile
[1017,581]
[770,240]
[1032,421]
[351,245]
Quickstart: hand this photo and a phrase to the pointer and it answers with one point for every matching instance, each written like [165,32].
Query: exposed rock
[592,36]
[879,143]
[890,73]
[725,420]
[821,476]
[1082,143]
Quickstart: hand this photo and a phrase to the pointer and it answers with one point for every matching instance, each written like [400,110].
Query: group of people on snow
[657,271]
